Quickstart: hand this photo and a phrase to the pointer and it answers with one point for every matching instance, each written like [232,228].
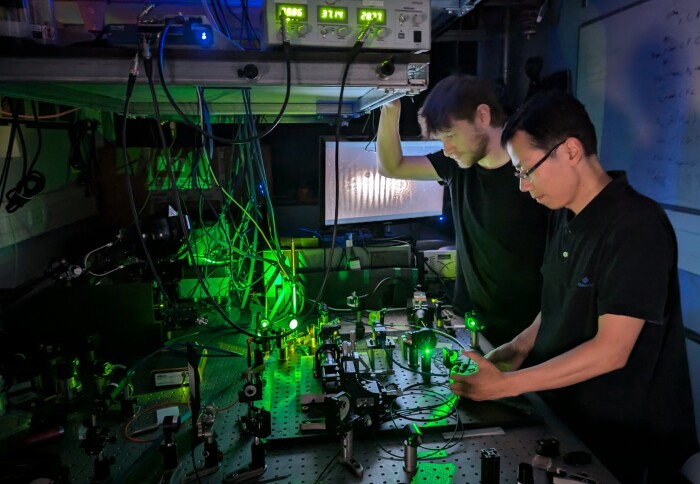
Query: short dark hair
[550,117]
[456,97]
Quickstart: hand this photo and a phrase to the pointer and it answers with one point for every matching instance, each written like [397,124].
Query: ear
[482,116]
[574,150]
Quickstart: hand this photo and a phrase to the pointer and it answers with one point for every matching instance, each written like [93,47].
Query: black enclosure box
[120,315]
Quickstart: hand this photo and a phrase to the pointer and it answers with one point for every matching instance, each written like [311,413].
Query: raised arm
[390,158]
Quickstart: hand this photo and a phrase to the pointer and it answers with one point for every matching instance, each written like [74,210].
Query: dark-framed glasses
[523,175]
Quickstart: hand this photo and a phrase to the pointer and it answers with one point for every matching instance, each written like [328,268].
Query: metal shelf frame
[96,78]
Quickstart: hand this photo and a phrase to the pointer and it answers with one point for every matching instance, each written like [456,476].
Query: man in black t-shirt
[607,351]
[499,231]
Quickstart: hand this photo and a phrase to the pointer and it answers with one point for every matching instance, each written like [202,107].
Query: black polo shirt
[619,256]
[500,238]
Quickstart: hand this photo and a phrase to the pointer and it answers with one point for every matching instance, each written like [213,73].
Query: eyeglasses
[523,175]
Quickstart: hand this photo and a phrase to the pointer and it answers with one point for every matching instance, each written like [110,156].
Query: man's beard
[479,152]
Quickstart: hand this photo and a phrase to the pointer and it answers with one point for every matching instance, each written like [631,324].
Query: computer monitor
[365,195]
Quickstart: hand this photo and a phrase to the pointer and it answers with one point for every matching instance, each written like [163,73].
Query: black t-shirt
[619,256]
[500,238]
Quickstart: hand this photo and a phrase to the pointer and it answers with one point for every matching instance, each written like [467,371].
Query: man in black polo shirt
[495,224]
[607,351]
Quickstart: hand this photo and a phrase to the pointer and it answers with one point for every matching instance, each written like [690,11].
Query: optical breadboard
[394,25]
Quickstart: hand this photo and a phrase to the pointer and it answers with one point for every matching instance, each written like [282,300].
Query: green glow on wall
[185,165]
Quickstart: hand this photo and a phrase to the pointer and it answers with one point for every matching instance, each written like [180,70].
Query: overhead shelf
[96,78]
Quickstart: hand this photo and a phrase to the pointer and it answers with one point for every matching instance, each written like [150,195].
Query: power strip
[183,31]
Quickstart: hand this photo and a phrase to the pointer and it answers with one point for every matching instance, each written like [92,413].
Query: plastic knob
[249,71]
[386,69]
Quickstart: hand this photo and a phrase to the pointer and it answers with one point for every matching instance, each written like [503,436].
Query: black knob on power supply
[249,71]
[386,69]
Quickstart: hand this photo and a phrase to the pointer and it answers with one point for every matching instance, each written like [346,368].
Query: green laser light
[471,323]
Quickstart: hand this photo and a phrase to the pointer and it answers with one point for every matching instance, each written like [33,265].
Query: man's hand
[392,109]
[488,383]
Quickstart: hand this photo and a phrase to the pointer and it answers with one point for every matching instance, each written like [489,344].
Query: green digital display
[333,15]
[291,11]
[367,15]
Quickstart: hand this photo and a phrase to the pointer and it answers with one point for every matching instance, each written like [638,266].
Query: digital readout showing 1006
[367,15]
[333,14]
[291,11]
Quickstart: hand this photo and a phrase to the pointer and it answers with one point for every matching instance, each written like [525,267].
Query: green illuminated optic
[471,323]
[291,11]
[293,324]
[450,358]
[264,323]
[427,351]
[332,14]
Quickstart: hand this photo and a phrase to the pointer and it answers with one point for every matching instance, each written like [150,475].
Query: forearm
[389,153]
[607,351]
[581,363]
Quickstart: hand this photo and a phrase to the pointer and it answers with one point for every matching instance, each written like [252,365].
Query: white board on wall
[639,77]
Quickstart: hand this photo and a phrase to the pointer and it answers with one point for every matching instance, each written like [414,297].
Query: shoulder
[443,165]
[439,158]
[620,201]
[633,208]
[640,222]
